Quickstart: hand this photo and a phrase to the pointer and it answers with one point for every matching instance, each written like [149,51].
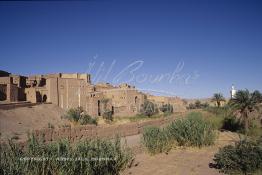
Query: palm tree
[218,98]
[245,103]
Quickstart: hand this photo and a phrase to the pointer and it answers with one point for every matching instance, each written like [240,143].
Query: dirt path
[180,161]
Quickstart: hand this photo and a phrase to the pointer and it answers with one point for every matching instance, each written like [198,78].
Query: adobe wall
[126,102]
[85,77]
[8,106]
[176,102]
[31,95]
[18,80]
[11,92]
[91,131]
[71,93]
[6,80]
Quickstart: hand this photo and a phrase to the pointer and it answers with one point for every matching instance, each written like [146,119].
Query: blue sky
[197,47]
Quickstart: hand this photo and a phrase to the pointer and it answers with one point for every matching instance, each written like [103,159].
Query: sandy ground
[17,122]
[179,161]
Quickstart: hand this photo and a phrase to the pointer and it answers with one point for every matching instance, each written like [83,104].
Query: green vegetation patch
[245,157]
[93,157]
[193,130]
[80,116]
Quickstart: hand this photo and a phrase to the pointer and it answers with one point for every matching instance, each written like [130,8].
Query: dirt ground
[179,161]
[17,122]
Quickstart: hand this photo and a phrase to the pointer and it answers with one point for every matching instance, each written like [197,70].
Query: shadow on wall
[2,92]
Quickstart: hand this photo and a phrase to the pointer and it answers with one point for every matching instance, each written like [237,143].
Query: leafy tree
[218,98]
[245,103]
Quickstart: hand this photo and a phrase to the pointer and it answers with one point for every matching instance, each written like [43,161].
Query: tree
[218,98]
[245,103]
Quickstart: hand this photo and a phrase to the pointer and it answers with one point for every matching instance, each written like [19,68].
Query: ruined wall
[176,102]
[126,102]
[6,80]
[91,131]
[103,87]
[31,95]
[11,92]
[19,81]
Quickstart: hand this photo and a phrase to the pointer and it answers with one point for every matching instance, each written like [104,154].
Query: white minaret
[233,91]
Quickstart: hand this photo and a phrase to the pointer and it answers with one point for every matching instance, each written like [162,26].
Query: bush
[244,157]
[87,119]
[93,157]
[198,105]
[222,111]
[73,114]
[156,140]
[167,109]
[80,116]
[223,119]
[149,109]
[192,131]
[108,115]
[231,123]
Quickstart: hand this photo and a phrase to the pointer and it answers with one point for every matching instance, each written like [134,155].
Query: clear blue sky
[209,44]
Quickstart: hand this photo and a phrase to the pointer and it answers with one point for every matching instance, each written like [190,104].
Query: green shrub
[149,109]
[231,123]
[166,108]
[216,121]
[198,105]
[244,157]
[255,129]
[93,157]
[73,114]
[223,119]
[192,131]
[87,119]
[108,115]
[156,140]
[80,116]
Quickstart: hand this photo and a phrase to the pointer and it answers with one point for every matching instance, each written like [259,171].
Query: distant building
[233,92]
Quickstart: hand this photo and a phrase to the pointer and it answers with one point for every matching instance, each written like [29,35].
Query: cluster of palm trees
[244,102]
